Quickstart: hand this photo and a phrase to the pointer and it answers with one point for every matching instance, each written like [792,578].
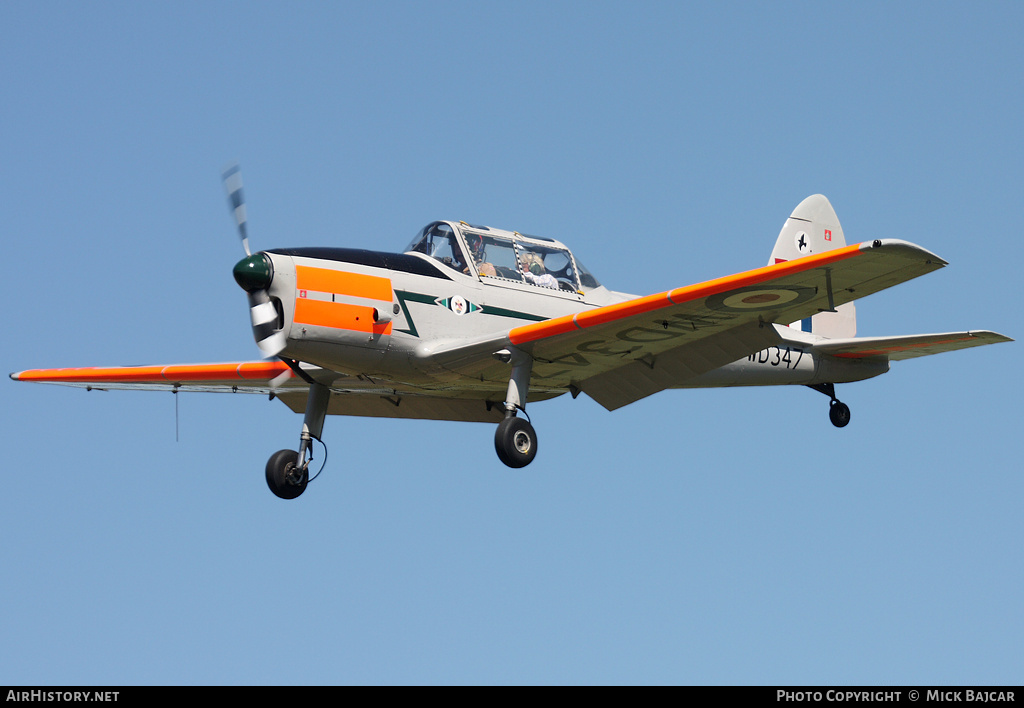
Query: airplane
[469,323]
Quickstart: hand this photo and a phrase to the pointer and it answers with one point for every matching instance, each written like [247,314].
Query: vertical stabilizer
[813,227]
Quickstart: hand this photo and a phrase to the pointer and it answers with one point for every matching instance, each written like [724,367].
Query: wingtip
[992,337]
[907,249]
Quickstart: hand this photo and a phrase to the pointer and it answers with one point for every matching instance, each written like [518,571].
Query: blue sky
[717,536]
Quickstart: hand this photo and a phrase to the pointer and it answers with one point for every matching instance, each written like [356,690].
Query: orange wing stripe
[547,328]
[119,374]
[260,370]
[343,283]
[624,309]
[257,370]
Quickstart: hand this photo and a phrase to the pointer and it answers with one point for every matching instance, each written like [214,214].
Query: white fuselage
[378,316]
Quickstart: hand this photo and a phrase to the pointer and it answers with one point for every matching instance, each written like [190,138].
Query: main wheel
[283,478]
[839,414]
[515,442]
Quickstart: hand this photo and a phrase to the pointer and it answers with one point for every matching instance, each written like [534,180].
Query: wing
[350,395]
[624,352]
[910,346]
[229,377]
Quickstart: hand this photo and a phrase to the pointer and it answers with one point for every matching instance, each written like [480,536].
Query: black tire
[515,441]
[281,476]
[839,414]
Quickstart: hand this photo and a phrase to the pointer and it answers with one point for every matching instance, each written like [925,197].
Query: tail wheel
[283,476]
[839,414]
[515,441]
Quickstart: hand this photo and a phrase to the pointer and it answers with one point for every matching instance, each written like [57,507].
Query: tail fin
[813,227]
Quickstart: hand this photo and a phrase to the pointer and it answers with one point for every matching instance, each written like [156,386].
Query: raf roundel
[759,298]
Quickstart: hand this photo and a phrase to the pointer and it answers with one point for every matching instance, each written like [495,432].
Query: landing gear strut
[838,412]
[515,440]
[287,470]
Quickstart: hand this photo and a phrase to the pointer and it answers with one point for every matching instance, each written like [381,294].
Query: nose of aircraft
[254,272]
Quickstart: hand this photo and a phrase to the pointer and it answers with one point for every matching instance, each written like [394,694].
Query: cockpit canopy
[503,256]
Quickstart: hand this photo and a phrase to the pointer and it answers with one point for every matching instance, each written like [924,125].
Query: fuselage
[365,312]
[379,316]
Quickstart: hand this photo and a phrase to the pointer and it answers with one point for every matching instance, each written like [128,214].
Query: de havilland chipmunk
[471,322]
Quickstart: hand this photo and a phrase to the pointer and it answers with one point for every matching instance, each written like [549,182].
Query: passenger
[533,270]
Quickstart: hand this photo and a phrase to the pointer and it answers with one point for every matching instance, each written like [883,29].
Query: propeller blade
[264,317]
[278,381]
[236,199]
[273,345]
[263,313]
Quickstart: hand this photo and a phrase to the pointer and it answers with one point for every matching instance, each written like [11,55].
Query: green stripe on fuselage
[502,312]
[405,296]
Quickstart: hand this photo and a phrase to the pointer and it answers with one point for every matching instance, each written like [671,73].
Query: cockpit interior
[503,257]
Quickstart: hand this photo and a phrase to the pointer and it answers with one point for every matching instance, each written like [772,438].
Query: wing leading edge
[227,377]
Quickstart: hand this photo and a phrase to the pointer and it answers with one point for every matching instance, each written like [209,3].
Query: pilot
[458,259]
[533,271]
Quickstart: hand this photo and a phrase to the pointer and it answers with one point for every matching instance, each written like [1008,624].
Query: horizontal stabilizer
[908,346]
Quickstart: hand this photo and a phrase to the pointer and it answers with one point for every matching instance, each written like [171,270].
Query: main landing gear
[515,440]
[838,412]
[285,477]
[288,470]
